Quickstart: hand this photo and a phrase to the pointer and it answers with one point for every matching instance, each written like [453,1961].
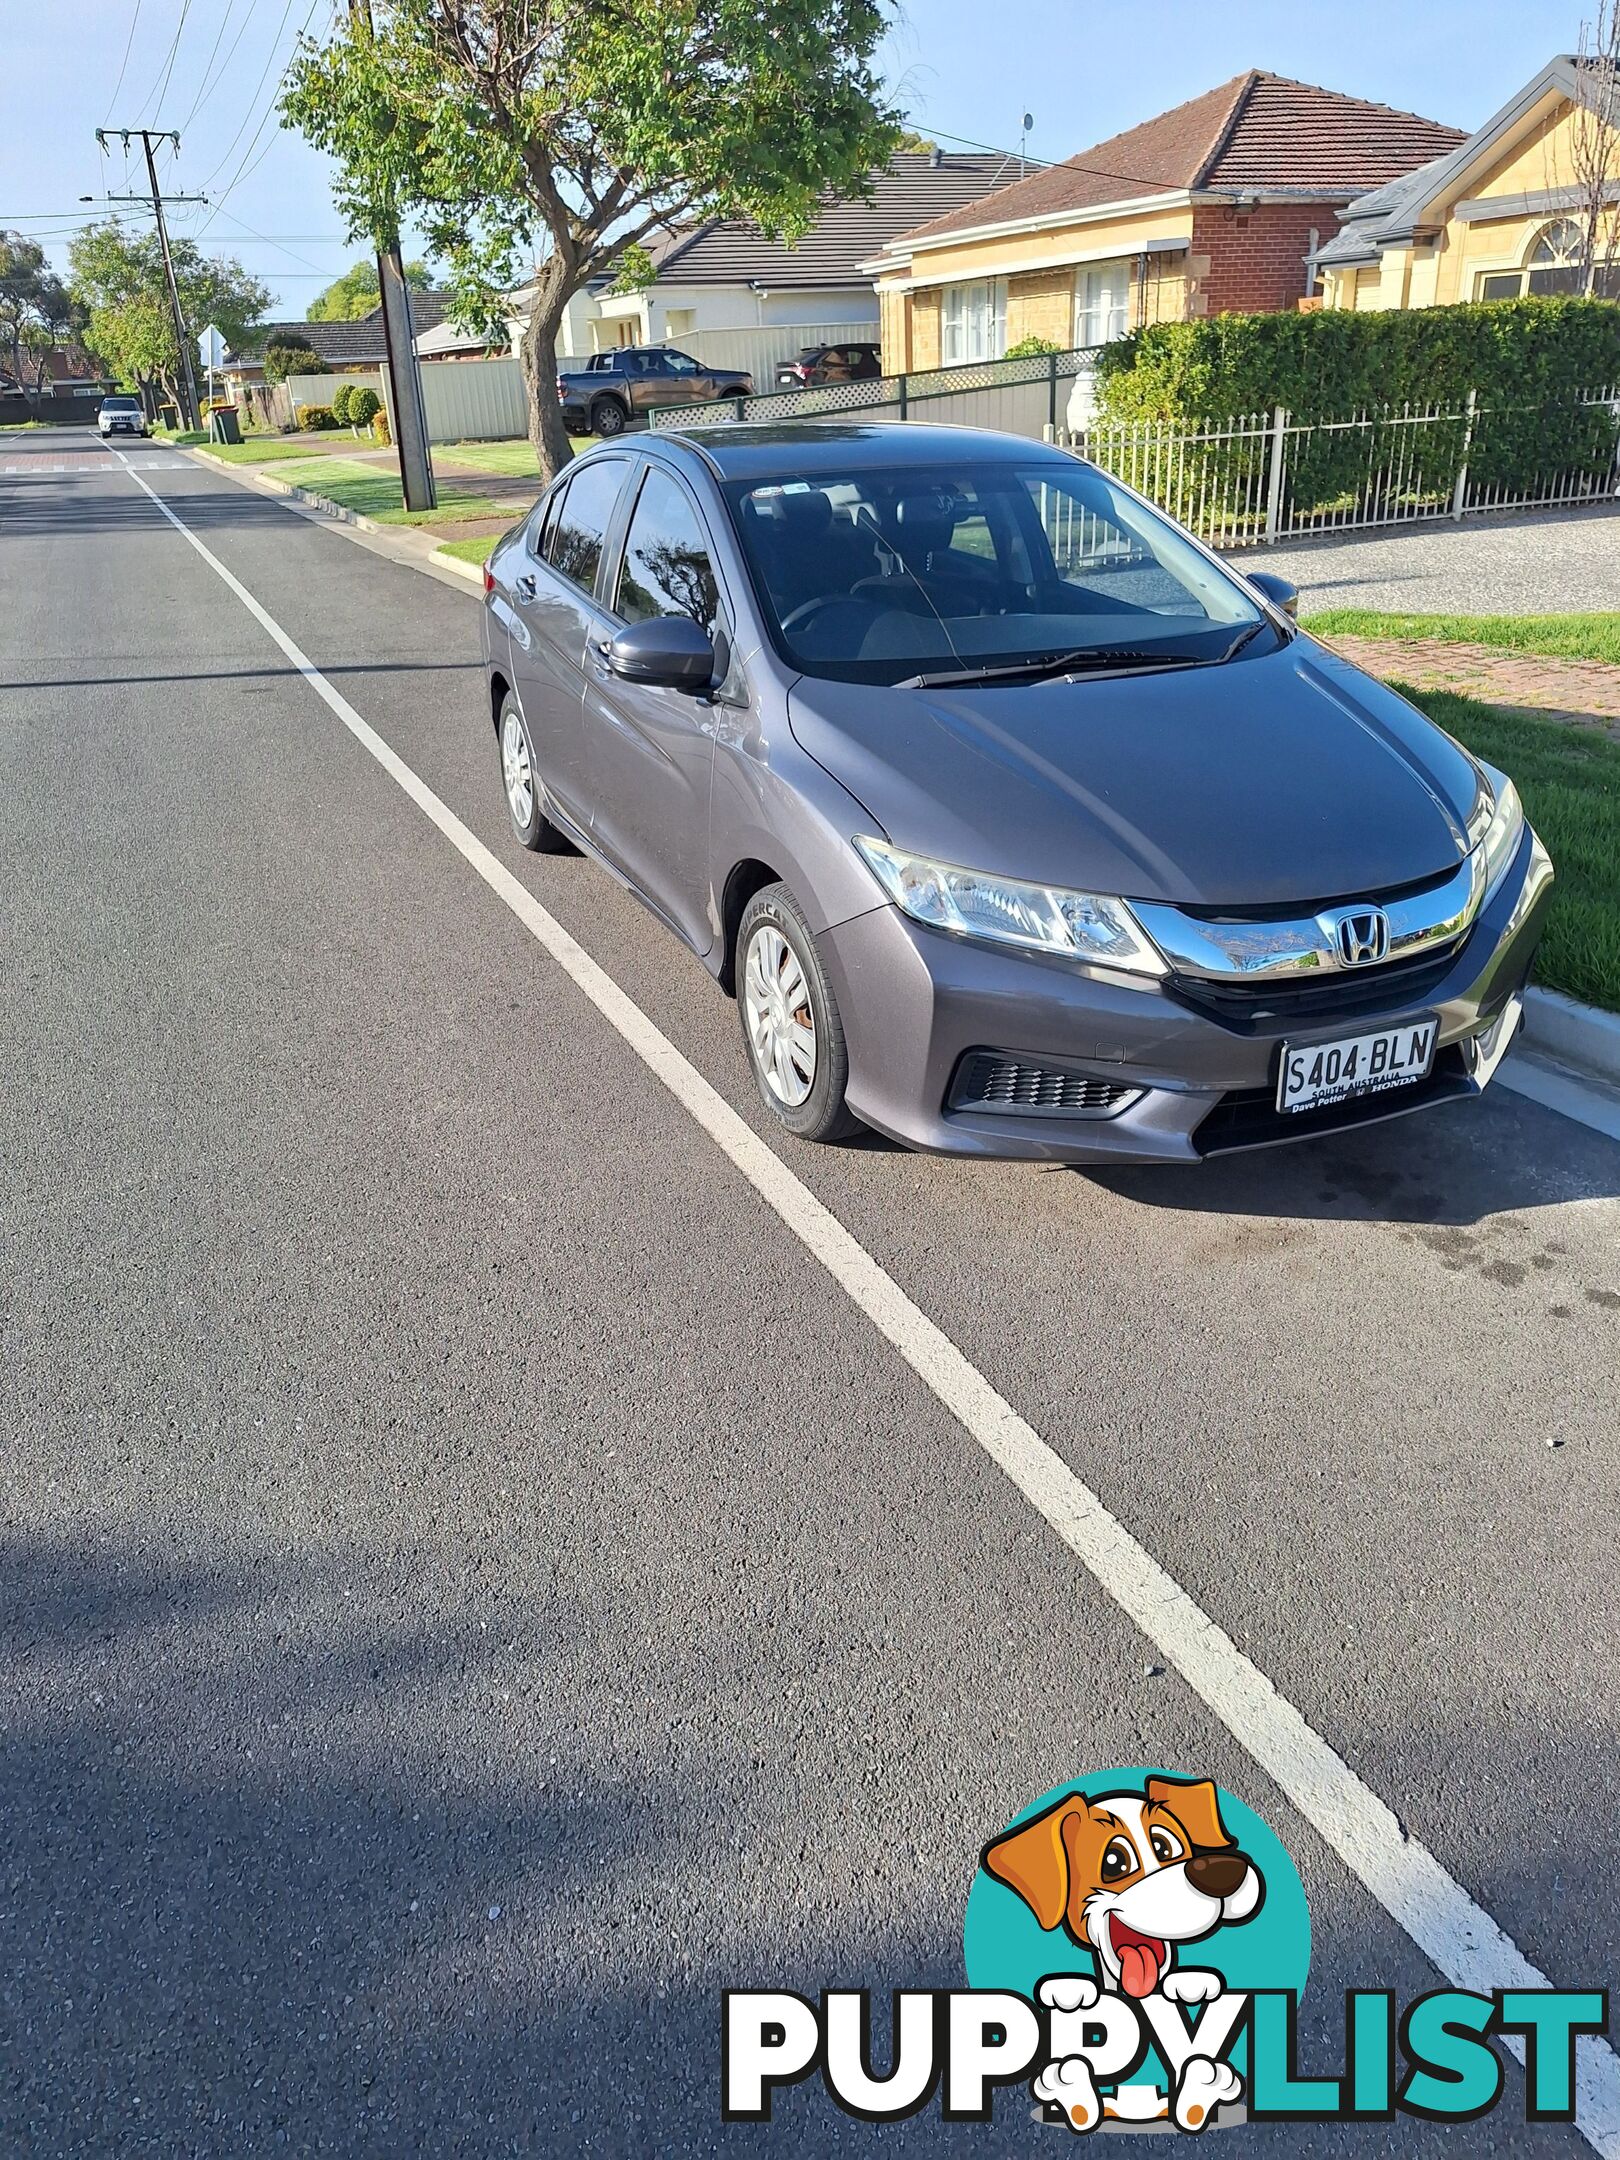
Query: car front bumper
[1177,1083]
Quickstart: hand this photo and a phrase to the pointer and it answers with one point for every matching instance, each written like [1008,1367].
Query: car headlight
[1093,927]
[1497,825]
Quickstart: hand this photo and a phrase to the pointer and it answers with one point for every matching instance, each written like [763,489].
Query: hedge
[340,402]
[1526,360]
[315,419]
[364,405]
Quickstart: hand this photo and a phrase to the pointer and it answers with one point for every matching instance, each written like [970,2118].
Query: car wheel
[790,1022]
[607,417]
[524,789]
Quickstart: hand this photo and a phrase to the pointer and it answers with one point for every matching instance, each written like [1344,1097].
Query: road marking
[1459,1938]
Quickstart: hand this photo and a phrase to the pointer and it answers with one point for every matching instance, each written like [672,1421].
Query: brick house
[1215,206]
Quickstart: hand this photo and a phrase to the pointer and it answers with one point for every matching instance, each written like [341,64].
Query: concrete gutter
[1578,1035]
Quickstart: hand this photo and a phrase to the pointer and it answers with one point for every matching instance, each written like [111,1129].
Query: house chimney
[936,157]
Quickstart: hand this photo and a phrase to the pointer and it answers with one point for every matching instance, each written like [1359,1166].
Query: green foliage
[340,403]
[280,361]
[315,419]
[523,132]
[117,280]
[357,292]
[1559,637]
[637,270]
[364,405]
[379,427]
[1527,361]
[1569,779]
[36,309]
[1028,347]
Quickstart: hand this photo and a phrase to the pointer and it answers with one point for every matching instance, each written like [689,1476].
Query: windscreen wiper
[1089,659]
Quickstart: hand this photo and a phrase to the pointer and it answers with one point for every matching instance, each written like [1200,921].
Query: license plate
[1317,1074]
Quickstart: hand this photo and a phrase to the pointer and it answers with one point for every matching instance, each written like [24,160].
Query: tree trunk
[537,357]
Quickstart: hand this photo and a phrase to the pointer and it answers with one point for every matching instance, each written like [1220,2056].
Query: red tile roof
[1256,132]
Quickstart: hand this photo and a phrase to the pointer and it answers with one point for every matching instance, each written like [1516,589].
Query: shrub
[364,405]
[1028,347]
[1527,361]
[379,428]
[280,361]
[314,418]
[341,397]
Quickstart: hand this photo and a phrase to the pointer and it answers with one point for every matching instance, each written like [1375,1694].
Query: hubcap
[519,774]
[781,1023]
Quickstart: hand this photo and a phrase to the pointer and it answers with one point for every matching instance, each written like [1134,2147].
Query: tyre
[607,417]
[790,1024]
[521,783]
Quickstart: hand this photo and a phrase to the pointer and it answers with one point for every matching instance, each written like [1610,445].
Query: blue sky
[964,70]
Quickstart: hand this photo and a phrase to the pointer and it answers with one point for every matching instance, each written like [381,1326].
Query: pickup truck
[616,387]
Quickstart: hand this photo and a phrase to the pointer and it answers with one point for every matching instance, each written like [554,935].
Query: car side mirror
[669,653]
[1278,591]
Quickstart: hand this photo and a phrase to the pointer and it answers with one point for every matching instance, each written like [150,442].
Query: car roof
[743,450]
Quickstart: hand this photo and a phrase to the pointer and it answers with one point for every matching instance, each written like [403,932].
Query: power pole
[399,342]
[188,380]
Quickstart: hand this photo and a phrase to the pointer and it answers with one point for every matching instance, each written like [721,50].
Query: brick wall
[1041,304]
[1256,257]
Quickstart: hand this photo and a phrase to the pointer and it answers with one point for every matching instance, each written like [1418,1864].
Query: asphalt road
[475,1585]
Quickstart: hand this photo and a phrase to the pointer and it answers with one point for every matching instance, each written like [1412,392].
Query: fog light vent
[998,1080]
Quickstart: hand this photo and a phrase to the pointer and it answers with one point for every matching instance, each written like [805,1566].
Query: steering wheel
[807,610]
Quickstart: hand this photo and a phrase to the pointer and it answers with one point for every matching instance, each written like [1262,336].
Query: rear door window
[667,569]
[573,542]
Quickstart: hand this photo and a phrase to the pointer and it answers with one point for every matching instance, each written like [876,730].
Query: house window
[1102,302]
[973,322]
[1556,264]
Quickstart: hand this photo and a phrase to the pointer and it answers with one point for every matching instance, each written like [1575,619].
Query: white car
[120,416]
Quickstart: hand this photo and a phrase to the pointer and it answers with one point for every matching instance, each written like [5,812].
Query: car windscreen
[120,404]
[876,574]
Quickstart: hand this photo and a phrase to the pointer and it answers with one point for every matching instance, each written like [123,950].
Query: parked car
[617,387]
[1018,823]
[120,416]
[828,364]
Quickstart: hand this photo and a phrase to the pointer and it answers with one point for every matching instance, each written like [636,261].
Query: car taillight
[561,392]
[489,579]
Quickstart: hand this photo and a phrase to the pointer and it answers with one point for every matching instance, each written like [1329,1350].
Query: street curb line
[1579,1035]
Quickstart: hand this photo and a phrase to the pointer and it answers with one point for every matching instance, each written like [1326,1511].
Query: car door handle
[524,586]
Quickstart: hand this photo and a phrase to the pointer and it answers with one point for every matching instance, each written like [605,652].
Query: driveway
[500,1545]
[1545,562]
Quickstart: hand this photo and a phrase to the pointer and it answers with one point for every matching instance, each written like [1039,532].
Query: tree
[1594,145]
[117,278]
[561,133]
[36,310]
[284,359]
[358,293]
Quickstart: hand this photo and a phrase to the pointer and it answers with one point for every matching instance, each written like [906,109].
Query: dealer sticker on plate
[1331,1072]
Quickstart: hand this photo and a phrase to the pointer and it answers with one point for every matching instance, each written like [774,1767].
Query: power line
[271,241]
[207,87]
[129,47]
[160,82]
[269,114]
[254,98]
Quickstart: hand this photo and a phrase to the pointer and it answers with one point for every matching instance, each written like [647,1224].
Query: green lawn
[473,551]
[1569,780]
[21,427]
[513,460]
[265,450]
[1559,637]
[373,491]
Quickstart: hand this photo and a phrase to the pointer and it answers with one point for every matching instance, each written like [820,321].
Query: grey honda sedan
[1016,822]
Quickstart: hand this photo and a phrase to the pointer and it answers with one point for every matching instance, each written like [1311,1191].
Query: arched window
[1558,258]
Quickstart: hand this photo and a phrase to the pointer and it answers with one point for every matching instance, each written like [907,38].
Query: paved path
[476,1586]
[1545,562]
[1587,690]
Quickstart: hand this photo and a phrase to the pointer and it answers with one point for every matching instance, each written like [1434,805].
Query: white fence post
[1274,478]
[1459,493]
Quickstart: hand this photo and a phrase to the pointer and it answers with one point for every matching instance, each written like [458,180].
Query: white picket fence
[1264,477]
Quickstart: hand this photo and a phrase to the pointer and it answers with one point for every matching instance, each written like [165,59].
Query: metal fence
[1020,397]
[1262,477]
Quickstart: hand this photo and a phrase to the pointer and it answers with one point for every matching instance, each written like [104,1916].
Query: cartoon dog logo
[1132,1877]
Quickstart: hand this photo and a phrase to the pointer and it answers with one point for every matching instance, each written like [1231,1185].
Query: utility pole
[188,380]
[404,379]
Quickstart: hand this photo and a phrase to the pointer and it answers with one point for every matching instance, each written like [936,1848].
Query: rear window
[574,542]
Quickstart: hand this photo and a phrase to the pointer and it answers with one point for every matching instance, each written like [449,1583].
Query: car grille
[1249,1117]
[1246,1006]
[1001,1081]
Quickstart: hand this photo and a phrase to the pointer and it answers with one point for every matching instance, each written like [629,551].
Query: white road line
[1458,1937]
